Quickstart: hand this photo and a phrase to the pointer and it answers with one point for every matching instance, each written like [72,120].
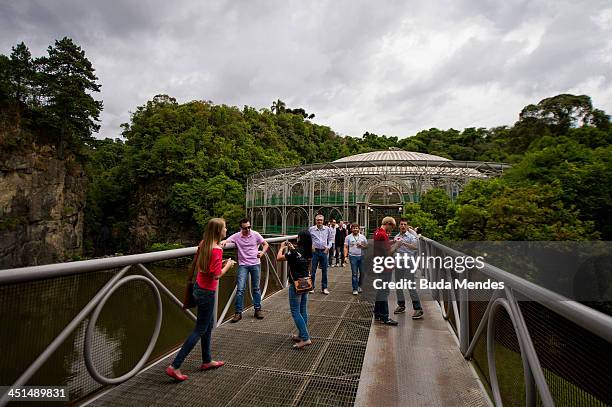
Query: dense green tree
[67,82]
[600,119]
[560,112]
[187,153]
[108,196]
[278,106]
[583,174]
[417,217]
[5,80]
[502,212]
[22,72]
[437,202]
[300,111]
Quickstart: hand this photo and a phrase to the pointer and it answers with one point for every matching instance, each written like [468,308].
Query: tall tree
[21,72]
[300,111]
[5,81]
[68,80]
[278,106]
[560,112]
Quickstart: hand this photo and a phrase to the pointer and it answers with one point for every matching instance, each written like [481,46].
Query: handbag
[303,284]
[188,298]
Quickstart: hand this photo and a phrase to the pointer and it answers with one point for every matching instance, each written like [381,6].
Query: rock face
[42,202]
[146,225]
[152,222]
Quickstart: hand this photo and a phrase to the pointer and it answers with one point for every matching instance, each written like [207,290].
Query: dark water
[33,314]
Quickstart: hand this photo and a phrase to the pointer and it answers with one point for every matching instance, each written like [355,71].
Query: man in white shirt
[354,245]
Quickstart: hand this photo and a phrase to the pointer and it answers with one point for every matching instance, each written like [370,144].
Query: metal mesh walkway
[262,369]
[417,363]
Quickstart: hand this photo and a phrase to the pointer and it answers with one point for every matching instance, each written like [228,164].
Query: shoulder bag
[188,298]
[303,284]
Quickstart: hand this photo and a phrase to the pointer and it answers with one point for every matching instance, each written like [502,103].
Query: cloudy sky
[392,67]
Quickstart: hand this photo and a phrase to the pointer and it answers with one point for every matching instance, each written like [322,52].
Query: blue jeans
[319,257]
[241,279]
[356,270]
[299,312]
[414,296]
[203,328]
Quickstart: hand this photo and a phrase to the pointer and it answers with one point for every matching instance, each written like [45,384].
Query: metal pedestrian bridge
[107,328]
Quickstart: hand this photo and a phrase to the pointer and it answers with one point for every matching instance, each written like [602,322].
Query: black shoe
[390,321]
[418,314]
[400,309]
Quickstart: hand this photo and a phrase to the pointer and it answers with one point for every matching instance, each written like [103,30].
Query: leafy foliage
[196,158]
[54,93]
[191,161]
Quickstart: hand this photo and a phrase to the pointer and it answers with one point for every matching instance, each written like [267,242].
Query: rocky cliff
[42,202]
[152,221]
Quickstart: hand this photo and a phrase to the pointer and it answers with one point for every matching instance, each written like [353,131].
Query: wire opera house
[361,188]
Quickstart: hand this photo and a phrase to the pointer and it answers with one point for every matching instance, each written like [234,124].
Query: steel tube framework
[284,200]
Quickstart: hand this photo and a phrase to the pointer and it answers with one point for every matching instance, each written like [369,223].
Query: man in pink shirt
[247,243]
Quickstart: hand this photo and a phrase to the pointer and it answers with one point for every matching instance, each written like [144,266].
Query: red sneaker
[212,365]
[177,376]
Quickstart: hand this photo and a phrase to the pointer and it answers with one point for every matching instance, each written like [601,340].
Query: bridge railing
[49,317]
[530,345]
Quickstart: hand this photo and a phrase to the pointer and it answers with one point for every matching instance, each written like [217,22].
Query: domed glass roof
[385,163]
[392,155]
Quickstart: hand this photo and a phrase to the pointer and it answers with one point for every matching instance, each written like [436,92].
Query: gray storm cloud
[390,68]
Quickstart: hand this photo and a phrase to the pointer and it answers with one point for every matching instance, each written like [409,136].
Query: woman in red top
[210,269]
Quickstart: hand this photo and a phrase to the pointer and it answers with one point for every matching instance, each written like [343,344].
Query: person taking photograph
[299,261]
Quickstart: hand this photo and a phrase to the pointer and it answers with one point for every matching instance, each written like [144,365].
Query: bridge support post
[284,275]
[464,318]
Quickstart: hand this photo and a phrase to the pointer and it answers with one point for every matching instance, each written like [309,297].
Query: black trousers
[381,306]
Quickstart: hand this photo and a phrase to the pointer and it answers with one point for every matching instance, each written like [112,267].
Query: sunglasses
[245,227]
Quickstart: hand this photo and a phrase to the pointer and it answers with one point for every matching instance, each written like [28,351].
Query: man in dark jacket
[341,233]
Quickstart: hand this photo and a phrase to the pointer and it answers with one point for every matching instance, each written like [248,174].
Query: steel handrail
[588,318]
[592,320]
[33,273]
[29,274]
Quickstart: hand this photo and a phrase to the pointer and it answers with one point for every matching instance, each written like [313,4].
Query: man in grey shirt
[408,244]
[321,243]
